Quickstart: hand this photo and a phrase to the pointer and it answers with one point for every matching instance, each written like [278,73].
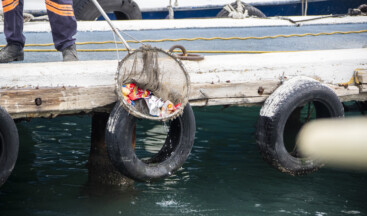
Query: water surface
[224,175]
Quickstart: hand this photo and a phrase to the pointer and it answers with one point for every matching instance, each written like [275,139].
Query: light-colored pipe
[110,23]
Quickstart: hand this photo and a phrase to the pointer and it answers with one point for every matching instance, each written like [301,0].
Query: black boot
[11,52]
[69,53]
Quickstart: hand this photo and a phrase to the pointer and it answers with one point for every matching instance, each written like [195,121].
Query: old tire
[252,11]
[170,158]
[123,9]
[276,113]
[9,144]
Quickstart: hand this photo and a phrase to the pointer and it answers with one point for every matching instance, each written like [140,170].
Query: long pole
[112,26]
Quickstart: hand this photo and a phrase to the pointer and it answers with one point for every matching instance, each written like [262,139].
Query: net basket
[152,84]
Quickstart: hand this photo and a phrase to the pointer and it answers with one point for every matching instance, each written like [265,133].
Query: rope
[209,39]
[171,13]
[304,7]
[236,13]
[190,51]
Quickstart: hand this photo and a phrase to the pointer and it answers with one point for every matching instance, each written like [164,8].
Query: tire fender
[9,145]
[275,113]
[170,158]
[252,11]
[123,9]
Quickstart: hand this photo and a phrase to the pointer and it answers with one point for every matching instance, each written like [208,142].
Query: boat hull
[269,8]
[208,9]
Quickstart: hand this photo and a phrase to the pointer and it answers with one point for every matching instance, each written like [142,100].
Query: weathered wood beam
[51,102]
[361,79]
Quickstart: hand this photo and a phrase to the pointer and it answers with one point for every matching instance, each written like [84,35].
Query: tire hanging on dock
[173,154]
[280,121]
[9,145]
[123,9]
[251,11]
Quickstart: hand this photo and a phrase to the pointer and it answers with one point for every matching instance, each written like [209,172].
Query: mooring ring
[185,55]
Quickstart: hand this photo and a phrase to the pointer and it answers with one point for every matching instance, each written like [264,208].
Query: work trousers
[60,13]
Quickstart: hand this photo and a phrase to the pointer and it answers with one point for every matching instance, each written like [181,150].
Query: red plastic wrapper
[131,92]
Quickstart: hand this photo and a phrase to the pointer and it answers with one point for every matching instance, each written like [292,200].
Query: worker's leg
[13,21]
[63,24]
[13,30]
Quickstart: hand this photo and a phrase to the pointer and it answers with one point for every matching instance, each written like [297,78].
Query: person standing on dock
[63,26]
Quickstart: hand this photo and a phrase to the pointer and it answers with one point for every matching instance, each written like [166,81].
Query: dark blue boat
[159,9]
[269,8]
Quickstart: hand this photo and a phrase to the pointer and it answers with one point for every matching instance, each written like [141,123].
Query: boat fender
[9,145]
[280,108]
[173,154]
[248,11]
[123,9]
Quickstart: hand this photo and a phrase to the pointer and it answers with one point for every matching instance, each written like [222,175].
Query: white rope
[117,50]
[239,7]
[239,13]
[171,13]
[27,17]
[304,7]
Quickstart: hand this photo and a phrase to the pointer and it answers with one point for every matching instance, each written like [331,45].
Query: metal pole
[112,26]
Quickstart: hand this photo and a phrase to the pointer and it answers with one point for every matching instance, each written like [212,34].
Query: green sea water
[224,175]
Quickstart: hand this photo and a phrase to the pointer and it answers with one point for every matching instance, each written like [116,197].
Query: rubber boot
[11,52]
[70,54]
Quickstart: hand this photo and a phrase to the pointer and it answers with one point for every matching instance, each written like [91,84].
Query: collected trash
[156,106]
[158,72]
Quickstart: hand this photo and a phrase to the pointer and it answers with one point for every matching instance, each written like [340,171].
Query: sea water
[224,175]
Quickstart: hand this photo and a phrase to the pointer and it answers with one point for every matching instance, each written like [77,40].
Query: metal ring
[185,55]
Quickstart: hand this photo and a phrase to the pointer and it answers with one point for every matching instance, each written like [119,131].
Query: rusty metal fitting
[261,90]
[38,101]
[185,55]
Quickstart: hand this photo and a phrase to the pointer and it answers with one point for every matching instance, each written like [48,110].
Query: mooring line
[189,51]
[208,39]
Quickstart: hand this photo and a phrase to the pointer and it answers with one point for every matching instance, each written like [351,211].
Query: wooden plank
[360,76]
[21,103]
[232,90]
[229,101]
[344,92]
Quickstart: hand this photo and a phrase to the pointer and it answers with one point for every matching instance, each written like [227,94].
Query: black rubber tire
[170,158]
[9,145]
[123,9]
[252,11]
[277,110]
